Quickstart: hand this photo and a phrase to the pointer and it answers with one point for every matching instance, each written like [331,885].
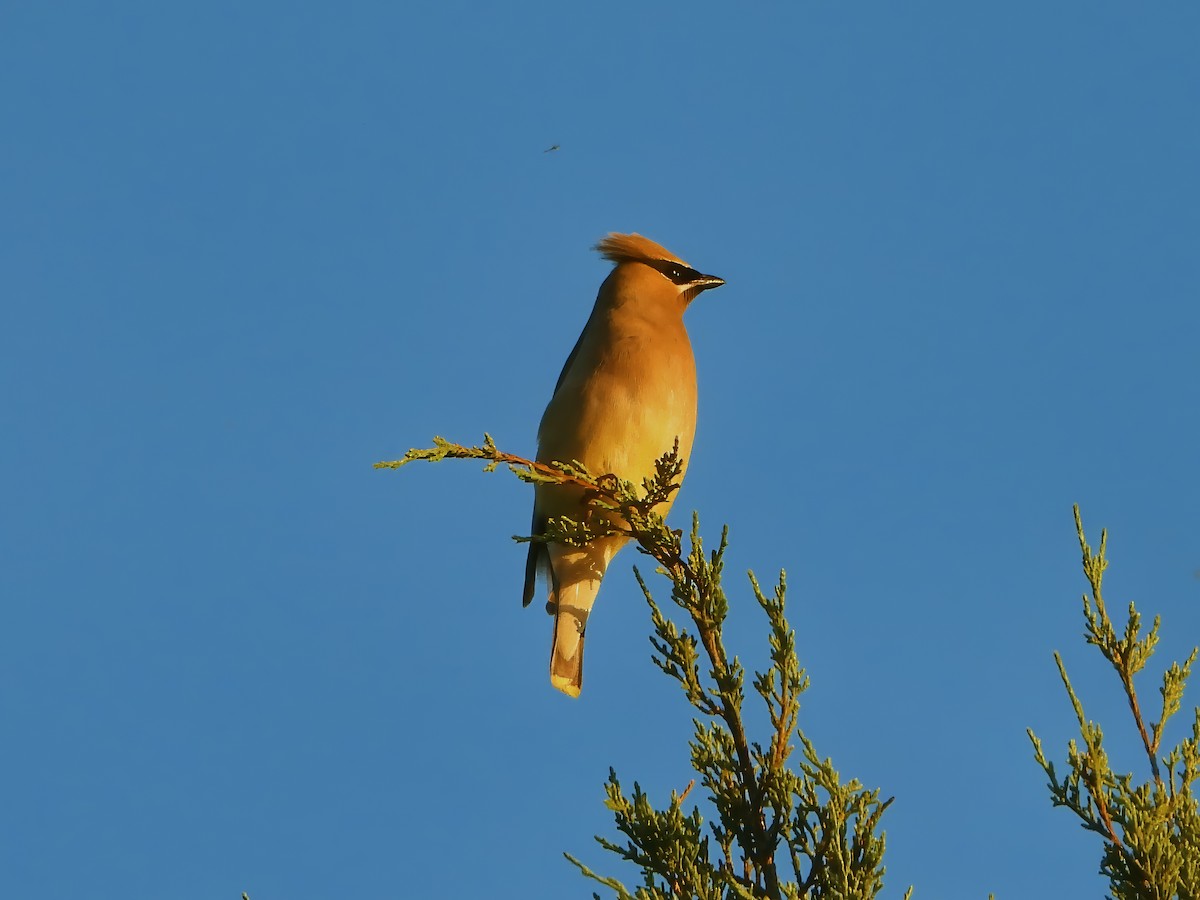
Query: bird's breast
[623,404]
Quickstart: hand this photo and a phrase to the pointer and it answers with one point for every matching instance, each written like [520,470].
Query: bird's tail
[570,623]
[574,583]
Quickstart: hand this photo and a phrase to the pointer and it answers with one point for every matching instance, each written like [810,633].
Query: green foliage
[784,827]
[1150,829]
[785,824]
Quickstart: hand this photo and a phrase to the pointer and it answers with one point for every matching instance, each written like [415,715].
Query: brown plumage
[625,395]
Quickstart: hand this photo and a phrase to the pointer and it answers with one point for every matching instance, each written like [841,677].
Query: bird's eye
[675,273]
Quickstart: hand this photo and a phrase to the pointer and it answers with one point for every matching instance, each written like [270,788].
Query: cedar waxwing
[625,395]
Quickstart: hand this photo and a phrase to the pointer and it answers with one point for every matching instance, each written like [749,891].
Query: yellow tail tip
[568,687]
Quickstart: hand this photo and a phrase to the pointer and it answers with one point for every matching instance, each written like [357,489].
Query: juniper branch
[761,803]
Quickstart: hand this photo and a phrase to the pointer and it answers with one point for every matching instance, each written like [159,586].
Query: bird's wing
[538,559]
[562,376]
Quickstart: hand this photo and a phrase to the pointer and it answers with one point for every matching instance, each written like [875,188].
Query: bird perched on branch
[625,395]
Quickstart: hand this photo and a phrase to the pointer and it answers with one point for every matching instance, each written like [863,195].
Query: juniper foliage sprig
[1150,828]
[784,827]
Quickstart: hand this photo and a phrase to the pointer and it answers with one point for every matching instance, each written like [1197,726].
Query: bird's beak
[703,283]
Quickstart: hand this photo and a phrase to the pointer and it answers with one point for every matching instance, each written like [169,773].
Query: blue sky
[248,250]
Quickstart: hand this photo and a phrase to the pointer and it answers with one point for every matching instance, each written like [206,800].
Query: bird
[552,148]
[626,394]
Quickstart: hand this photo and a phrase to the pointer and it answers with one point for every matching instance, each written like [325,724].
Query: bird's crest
[633,248]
